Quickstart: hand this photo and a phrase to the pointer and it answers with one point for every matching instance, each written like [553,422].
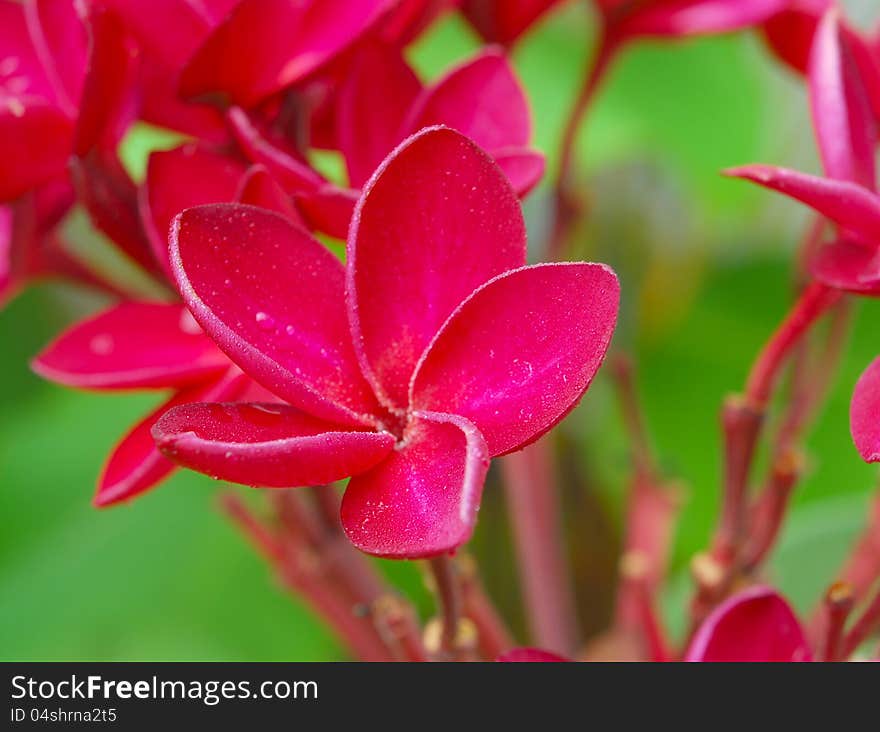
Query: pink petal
[59,37]
[850,205]
[265,46]
[266,445]
[136,465]
[864,414]
[754,625]
[181,178]
[171,30]
[790,33]
[530,655]
[373,102]
[35,143]
[272,298]
[850,266]
[482,99]
[258,188]
[504,21]
[437,220]
[696,17]
[519,354]
[524,168]
[133,345]
[842,114]
[411,17]
[328,209]
[27,71]
[423,499]
[285,164]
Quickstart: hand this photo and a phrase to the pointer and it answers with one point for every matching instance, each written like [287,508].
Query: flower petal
[373,102]
[848,266]
[272,298]
[530,655]
[753,626]
[482,99]
[328,209]
[421,501]
[266,445]
[136,465]
[864,415]
[524,168]
[35,142]
[850,205]
[790,33]
[181,178]
[258,188]
[842,113]
[436,221]
[264,46]
[504,21]
[518,354]
[695,17]
[133,345]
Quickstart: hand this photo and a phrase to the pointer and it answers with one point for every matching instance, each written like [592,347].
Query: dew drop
[265,321]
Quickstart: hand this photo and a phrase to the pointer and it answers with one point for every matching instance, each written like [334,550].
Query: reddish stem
[566,207]
[534,505]
[492,633]
[838,605]
[448,591]
[867,623]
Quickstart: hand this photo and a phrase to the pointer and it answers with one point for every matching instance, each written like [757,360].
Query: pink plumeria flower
[846,128]
[756,625]
[865,414]
[135,346]
[431,351]
[789,33]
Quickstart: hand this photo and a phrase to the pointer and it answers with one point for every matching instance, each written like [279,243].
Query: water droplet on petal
[265,321]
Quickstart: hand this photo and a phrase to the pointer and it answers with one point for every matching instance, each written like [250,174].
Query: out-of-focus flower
[789,33]
[865,413]
[754,625]
[530,655]
[431,351]
[140,346]
[846,128]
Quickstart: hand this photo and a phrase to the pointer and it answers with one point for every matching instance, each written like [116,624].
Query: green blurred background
[706,269]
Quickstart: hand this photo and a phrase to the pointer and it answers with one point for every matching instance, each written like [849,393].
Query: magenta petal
[753,626]
[258,188]
[847,204]
[328,209]
[518,354]
[266,445]
[694,17]
[530,655]
[864,414]
[482,99]
[272,298]
[133,345]
[842,113]
[849,266]
[421,501]
[264,46]
[524,168]
[437,220]
[292,172]
[35,143]
[59,37]
[373,102]
[136,465]
[790,33]
[181,178]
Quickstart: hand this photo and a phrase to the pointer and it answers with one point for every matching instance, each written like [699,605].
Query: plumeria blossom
[755,625]
[846,129]
[865,414]
[431,351]
[530,655]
